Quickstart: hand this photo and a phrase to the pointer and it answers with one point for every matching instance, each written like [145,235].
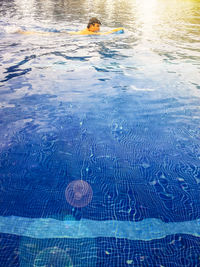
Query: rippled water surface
[100,135]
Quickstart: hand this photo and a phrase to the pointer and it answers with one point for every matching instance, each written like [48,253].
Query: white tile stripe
[147,229]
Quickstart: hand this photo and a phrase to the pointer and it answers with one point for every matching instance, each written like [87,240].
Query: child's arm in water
[113,31]
[87,32]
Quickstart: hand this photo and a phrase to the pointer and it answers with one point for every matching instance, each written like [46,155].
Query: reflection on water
[163,26]
[131,14]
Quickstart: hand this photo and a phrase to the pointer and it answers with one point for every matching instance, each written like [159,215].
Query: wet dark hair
[92,21]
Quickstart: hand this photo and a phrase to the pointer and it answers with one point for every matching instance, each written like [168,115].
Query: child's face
[95,27]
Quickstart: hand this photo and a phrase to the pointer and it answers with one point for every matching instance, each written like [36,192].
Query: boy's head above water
[94,25]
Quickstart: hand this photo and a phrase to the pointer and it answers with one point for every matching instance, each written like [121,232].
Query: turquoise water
[99,135]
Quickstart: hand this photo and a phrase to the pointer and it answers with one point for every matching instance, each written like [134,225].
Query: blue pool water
[100,135]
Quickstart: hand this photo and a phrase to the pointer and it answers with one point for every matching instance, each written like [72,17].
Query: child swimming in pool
[93,27]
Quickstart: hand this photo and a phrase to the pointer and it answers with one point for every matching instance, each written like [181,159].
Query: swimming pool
[100,135]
